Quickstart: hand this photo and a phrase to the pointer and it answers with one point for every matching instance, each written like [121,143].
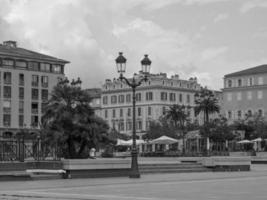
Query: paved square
[184,186]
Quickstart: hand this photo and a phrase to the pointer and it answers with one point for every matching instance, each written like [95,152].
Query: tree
[179,117]
[70,121]
[206,103]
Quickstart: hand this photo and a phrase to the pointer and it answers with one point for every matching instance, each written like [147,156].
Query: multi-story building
[95,94]
[153,98]
[245,93]
[26,81]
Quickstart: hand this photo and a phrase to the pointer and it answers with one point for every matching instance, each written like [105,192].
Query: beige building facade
[26,81]
[153,98]
[245,93]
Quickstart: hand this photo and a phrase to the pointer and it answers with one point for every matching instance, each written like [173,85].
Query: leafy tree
[160,128]
[69,120]
[206,103]
[253,125]
[179,117]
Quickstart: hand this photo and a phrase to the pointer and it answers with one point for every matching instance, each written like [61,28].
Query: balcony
[7,123]
[34,111]
[35,84]
[45,85]
[7,110]
[7,81]
[21,82]
[21,110]
[35,97]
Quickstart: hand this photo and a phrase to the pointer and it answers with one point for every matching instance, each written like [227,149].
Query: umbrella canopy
[244,142]
[257,140]
[164,140]
[129,142]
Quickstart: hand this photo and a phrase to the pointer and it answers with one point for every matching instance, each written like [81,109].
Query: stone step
[14,176]
[146,171]
[170,166]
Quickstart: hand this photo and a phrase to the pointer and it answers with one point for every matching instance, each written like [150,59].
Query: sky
[193,38]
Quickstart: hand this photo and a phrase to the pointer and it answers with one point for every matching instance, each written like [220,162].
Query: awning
[164,140]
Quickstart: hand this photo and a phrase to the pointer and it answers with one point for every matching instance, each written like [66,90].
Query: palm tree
[69,119]
[179,116]
[206,103]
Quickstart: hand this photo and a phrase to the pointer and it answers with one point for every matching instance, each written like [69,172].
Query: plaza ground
[184,186]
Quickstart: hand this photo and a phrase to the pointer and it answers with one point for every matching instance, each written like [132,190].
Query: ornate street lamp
[134,83]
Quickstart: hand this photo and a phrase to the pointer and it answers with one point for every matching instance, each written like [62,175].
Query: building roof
[254,70]
[14,51]
[94,92]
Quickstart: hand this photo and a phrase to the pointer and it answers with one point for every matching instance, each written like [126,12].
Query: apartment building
[153,98]
[245,93]
[26,81]
[95,94]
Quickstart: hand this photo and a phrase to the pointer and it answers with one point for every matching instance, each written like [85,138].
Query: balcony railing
[7,123]
[21,110]
[35,97]
[45,85]
[35,84]
[7,110]
[21,82]
[7,81]
[34,111]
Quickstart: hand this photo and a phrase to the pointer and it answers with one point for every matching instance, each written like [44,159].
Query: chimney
[10,43]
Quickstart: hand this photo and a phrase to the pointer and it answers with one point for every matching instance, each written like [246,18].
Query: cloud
[249,5]
[211,53]
[220,17]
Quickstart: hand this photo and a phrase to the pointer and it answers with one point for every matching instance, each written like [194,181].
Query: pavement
[181,186]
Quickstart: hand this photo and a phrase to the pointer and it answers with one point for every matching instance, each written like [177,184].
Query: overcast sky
[202,38]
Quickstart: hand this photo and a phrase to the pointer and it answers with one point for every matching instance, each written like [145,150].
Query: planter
[227,163]
[101,167]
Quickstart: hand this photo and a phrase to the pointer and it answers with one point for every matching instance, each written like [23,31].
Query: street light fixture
[134,83]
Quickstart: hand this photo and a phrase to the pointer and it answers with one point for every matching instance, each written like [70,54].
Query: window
[34,108]
[33,66]
[128,98]
[114,113]
[35,80]
[260,81]
[129,112]
[121,126]
[7,77]
[21,106]
[239,96]
[163,96]
[34,121]
[45,67]
[21,120]
[21,93]
[181,98]
[239,82]
[43,106]
[21,64]
[44,95]
[113,99]
[188,98]
[138,97]
[249,95]
[172,97]
[121,98]
[7,106]
[106,113]
[139,112]
[149,96]
[44,81]
[121,112]
[139,125]
[229,96]
[250,81]
[249,113]
[7,92]
[57,68]
[6,120]
[260,112]
[163,110]
[21,79]
[260,94]
[229,83]
[105,100]
[8,62]
[149,111]
[35,94]
[229,114]
[239,114]
[129,125]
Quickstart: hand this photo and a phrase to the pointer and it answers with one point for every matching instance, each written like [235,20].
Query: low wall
[227,163]
[240,153]
[91,168]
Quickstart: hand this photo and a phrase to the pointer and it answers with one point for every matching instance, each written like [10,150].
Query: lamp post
[134,83]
